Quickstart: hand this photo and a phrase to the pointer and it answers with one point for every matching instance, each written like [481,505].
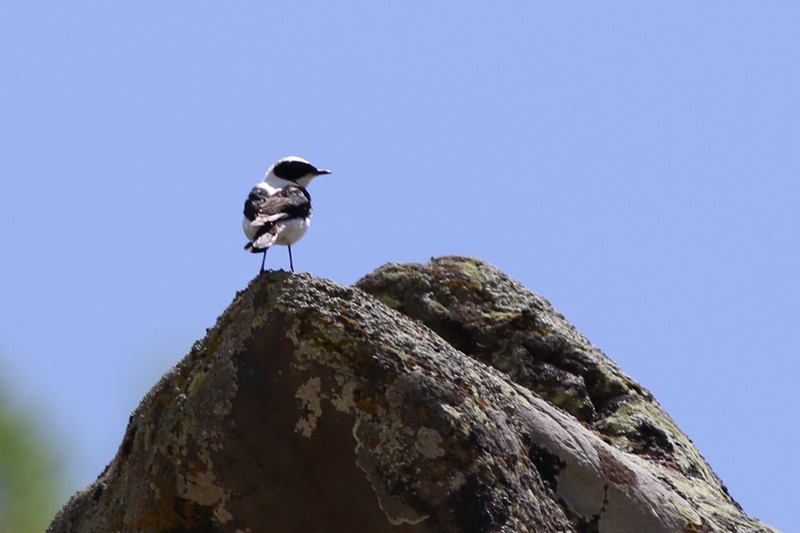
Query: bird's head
[294,169]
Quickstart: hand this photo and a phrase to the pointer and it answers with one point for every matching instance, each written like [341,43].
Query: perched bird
[278,210]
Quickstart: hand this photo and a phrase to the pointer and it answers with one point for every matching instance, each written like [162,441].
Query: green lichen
[472,269]
[389,301]
[259,319]
[622,422]
[496,317]
[690,514]
[571,403]
[196,381]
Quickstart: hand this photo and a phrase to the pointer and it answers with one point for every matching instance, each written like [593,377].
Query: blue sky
[635,164]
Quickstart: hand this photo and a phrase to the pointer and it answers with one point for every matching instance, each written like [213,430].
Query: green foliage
[30,477]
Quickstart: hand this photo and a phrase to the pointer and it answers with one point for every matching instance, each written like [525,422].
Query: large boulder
[436,397]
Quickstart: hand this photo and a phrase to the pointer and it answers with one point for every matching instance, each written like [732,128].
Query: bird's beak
[321,172]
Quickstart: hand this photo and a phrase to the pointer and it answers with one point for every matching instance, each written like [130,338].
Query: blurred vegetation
[31,478]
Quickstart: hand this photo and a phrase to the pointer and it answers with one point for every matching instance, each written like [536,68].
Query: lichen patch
[429,443]
[200,486]
[310,396]
[344,402]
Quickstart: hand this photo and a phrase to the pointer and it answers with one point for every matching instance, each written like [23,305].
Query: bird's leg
[291,263]
[263,259]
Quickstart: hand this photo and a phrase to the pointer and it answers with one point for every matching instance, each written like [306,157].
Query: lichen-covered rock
[475,408]
[491,317]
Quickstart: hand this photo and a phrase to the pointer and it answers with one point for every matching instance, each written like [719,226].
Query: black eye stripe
[293,170]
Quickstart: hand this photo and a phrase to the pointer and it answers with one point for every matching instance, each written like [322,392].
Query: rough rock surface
[451,399]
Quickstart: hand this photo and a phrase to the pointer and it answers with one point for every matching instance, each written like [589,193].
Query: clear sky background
[636,164]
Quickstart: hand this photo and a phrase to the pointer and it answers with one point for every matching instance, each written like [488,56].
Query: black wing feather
[254,200]
[290,202]
[264,211]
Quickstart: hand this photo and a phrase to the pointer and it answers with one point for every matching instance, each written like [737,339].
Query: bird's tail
[249,247]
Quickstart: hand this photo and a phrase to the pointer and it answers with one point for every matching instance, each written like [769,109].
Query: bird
[278,209]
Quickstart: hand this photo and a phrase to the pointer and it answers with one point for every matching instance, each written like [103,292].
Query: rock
[449,398]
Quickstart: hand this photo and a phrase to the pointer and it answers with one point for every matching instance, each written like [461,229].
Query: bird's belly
[292,230]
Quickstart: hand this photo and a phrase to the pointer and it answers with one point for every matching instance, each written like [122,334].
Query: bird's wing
[263,210]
